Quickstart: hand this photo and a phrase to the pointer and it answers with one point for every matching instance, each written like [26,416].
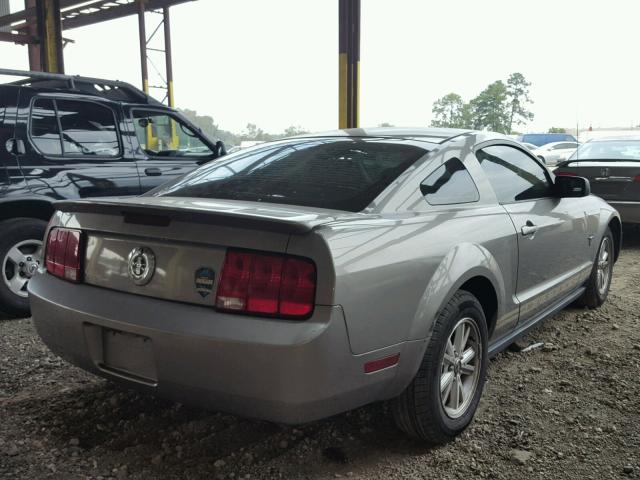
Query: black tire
[419,410]
[14,231]
[594,296]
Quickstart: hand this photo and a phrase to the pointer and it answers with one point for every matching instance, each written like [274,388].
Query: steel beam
[142,32]
[112,13]
[349,63]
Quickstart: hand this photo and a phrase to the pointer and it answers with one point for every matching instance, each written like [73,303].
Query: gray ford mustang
[309,276]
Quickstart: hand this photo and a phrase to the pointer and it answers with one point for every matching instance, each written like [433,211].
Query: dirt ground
[570,409]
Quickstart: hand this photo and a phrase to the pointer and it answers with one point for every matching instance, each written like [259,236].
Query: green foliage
[450,112]
[518,99]
[292,131]
[385,125]
[489,109]
[499,107]
[557,130]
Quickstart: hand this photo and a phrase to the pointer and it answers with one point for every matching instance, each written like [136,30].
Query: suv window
[449,184]
[44,127]
[513,175]
[88,128]
[163,135]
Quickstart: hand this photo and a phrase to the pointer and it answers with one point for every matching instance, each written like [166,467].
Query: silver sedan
[309,276]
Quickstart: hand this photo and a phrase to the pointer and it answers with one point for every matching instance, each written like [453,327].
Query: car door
[553,233]
[73,147]
[11,178]
[166,145]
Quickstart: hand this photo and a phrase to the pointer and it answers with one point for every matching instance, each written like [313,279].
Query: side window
[44,127]
[73,128]
[162,135]
[513,175]
[449,184]
[87,129]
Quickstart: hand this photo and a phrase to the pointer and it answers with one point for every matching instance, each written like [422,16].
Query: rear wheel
[600,280]
[442,399]
[20,254]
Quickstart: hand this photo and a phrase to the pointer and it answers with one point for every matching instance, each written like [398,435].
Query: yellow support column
[349,64]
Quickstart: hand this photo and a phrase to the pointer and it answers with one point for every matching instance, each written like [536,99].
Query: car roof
[631,138]
[426,134]
[557,143]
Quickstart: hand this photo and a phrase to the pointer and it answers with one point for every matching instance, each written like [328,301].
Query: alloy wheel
[460,368]
[19,264]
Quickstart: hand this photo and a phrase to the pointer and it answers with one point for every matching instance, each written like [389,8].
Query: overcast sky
[275,63]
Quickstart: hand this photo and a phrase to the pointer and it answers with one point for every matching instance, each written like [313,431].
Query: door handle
[529,228]
[152,172]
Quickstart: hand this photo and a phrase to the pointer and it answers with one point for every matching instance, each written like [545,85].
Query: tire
[597,292]
[419,411]
[20,236]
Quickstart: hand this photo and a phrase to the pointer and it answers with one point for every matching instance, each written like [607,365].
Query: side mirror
[221,150]
[569,186]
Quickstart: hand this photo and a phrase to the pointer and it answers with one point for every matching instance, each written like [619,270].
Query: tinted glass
[513,175]
[336,173]
[608,150]
[541,139]
[450,184]
[87,129]
[161,135]
[44,127]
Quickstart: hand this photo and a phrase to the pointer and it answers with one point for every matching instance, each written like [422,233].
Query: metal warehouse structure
[42,23]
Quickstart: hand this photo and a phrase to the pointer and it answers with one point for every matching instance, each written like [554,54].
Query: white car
[555,152]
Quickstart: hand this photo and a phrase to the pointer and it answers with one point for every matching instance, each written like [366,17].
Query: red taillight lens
[565,174]
[636,179]
[267,284]
[62,257]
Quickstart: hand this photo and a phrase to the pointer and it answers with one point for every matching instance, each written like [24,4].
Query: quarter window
[162,135]
[450,184]
[73,128]
[513,175]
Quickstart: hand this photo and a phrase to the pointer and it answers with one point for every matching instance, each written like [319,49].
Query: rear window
[334,173]
[608,150]
[541,139]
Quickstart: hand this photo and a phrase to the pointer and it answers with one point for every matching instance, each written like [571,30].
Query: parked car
[555,152]
[316,274]
[541,139]
[612,166]
[530,146]
[66,137]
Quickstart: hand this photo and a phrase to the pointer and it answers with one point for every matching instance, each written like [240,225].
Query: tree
[449,112]
[518,99]
[292,131]
[557,130]
[489,110]
[385,125]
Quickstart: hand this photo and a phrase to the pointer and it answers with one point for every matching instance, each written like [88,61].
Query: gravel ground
[570,409]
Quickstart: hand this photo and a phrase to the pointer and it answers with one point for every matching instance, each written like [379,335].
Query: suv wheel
[442,399]
[20,256]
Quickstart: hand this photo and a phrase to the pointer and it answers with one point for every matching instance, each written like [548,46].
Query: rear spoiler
[162,216]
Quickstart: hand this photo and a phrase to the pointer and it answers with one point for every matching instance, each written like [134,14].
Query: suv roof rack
[110,89]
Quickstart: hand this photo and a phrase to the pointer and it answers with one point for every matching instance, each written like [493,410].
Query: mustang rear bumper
[283,371]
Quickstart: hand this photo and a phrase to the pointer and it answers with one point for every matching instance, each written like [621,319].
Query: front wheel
[443,397]
[600,279]
[20,254]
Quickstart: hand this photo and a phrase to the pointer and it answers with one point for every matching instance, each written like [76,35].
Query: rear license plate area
[122,354]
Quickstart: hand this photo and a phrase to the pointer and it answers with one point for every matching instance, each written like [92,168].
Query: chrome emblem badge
[142,265]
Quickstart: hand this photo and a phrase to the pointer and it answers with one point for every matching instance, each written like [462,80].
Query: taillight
[63,252]
[636,179]
[267,284]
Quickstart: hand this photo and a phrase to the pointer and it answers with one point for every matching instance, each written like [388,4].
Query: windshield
[608,150]
[334,173]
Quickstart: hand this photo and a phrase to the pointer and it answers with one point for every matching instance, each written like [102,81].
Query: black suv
[64,137]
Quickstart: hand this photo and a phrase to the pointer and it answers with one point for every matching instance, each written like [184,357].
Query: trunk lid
[185,239]
[611,180]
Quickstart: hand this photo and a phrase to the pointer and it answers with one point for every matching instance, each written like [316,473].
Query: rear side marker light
[267,284]
[636,179]
[63,253]
[381,364]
